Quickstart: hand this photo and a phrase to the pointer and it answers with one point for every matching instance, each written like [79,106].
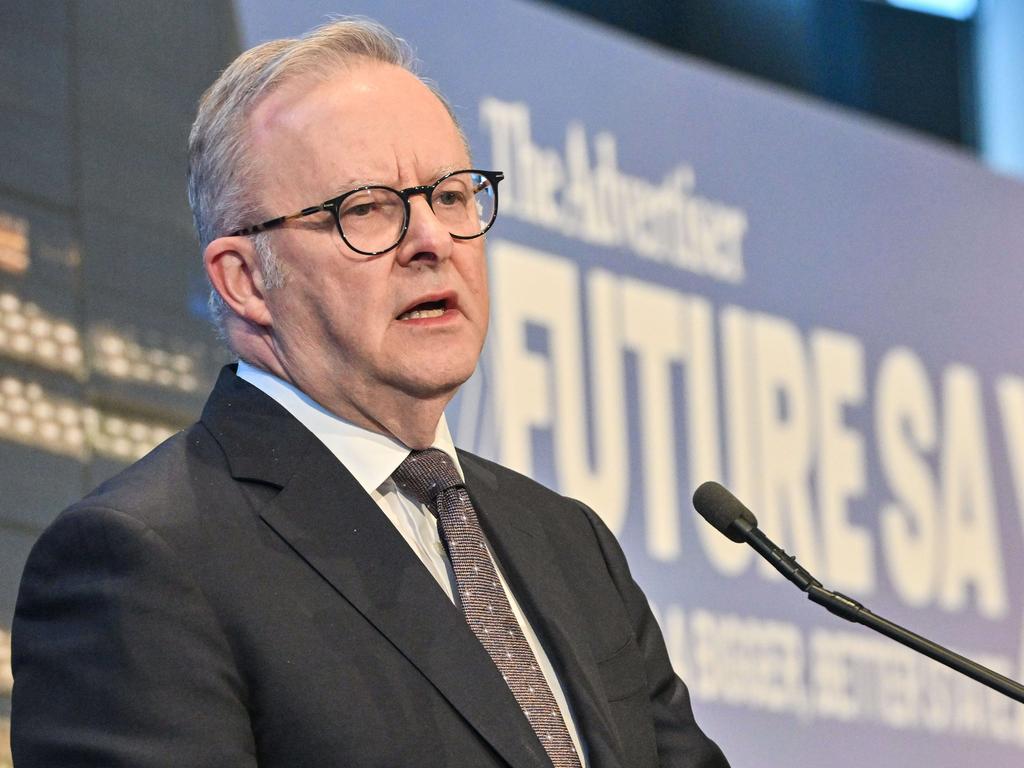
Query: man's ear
[233,268]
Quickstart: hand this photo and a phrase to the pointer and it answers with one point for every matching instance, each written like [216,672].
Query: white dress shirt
[371,458]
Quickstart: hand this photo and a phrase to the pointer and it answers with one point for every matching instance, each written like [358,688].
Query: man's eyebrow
[348,186]
[352,184]
[444,170]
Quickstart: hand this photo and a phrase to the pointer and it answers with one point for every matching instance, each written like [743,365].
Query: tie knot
[425,474]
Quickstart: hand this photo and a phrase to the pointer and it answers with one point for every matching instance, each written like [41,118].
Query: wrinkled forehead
[315,138]
[374,118]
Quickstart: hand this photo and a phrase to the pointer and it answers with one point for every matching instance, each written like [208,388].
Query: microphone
[728,514]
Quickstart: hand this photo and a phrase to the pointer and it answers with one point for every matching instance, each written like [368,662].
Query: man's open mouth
[424,310]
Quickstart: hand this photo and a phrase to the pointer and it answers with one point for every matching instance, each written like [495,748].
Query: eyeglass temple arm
[273,223]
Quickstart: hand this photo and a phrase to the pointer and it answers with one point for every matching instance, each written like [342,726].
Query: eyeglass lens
[373,219]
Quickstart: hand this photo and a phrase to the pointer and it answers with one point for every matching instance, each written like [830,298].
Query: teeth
[416,314]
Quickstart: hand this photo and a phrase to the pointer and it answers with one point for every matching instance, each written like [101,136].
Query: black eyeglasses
[374,219]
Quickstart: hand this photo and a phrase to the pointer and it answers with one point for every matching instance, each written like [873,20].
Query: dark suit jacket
[236,599]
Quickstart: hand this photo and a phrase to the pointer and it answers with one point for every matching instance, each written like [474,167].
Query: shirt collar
[370,456]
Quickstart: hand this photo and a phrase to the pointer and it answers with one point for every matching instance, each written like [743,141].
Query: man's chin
[435,384]
[434,390]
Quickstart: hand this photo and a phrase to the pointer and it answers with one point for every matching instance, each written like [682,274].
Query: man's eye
[360,210]
[449,197]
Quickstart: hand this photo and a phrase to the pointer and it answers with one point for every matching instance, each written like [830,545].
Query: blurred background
[104,345]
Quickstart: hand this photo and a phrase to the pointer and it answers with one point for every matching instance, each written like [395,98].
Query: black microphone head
[723,510]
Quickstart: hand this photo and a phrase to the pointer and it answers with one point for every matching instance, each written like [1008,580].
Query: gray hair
[220,180]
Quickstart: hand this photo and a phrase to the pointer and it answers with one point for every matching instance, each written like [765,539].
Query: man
[271,587]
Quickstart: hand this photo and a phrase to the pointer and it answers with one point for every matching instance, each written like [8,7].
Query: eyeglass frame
[427,190]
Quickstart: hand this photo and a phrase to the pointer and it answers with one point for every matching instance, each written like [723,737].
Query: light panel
[953,9]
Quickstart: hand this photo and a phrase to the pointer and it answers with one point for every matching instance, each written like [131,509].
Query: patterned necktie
[430,477]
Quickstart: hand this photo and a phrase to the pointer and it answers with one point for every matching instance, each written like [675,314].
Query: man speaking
[312,575]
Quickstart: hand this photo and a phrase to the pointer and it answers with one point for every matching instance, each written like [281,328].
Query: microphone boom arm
[849,609]
[726,513]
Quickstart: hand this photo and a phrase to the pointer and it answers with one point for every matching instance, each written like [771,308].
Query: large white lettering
[940,538]
[532,287]
[906,431]
[783,409]
[972,556]
[839,378]
[653,328]
[788,434]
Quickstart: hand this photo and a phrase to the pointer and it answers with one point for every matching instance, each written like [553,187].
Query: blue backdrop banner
[697,277]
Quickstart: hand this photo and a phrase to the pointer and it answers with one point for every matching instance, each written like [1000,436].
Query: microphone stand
[849,609]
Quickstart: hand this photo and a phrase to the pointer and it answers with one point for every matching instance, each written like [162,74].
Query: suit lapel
[335,527]
[526,557]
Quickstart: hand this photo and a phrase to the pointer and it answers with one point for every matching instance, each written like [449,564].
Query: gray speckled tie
[430,477]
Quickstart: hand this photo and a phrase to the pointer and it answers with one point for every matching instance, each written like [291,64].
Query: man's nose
[427,237]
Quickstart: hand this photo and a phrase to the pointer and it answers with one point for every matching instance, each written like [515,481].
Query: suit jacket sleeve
[680,741]
[118,659]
